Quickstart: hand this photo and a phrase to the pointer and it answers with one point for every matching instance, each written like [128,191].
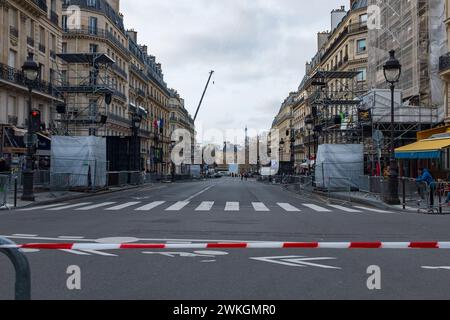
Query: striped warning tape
[244,245]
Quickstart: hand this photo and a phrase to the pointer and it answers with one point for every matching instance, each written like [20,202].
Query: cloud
[258,49]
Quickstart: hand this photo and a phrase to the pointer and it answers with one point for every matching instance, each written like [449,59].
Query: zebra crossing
[205,206]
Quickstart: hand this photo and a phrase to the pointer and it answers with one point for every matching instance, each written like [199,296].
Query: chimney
[322,38]
[115,5]
[132,35]
[144,49]
[337,15]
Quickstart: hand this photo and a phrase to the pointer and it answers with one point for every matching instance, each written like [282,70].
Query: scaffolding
[415,30]
[85,84]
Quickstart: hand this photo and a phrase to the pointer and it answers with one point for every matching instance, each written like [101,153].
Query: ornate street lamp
[30,71]
[309,123]
[392,72]
[172,169]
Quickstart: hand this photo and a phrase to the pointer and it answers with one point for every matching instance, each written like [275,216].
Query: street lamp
[136,123]
[30,71]
[172,169]
[392,72]
[309,122]
[293,135]
[282,143]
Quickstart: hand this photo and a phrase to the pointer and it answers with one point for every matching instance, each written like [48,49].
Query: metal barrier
[341,185]
[22,269]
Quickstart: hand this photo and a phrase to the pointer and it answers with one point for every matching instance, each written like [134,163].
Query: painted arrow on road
[297,261]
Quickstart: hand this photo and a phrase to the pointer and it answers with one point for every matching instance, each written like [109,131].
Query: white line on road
[123,206]
[151,206]
[71,237]
[316,208]
[100,253]
[96,206]
[345,209]
[232,206]
[373,210]
[178,206]
[205,206]
[44,207]
[79,253]
[199,193]
[260,207]
[287,207]
[24,235]
[70,206]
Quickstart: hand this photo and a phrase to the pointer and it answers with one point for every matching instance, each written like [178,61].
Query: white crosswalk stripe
[205,206]
[123,206]
[288,207]
[260,207]
[70,206]
[44,207]
[372,210]
[345,209]
[151,206]
[95,206]
[316,207]
[232,206]
[178,206]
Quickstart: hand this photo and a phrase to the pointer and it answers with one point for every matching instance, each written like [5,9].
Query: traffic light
[35,121]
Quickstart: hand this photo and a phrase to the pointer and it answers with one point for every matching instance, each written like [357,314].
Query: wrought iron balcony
[42,48]
[13,31]
[16,77]
[42,4]
[54,17]
[30,41]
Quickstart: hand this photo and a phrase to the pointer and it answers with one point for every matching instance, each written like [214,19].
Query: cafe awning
[424,149]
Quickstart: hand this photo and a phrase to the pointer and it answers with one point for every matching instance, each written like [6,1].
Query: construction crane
[203,95]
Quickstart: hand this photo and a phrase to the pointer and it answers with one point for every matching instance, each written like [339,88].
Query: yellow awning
[424,149]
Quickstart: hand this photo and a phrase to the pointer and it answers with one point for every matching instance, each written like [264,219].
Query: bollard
[404,193]
[15,191]
[22,269]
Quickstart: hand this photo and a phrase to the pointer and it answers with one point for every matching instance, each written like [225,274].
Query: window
[64,23]
[64,47]
[92,3]
[93,48]
[363,18]
[92,25]
[361,46]
[362,76]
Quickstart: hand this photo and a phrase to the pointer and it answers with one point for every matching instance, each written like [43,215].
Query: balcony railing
[116,117]
[119,70]
[16,77]
[104,34]
[41,4]
[30,41]
[444,63]
[42,48]
[13,31]
[53,54]
[140,73]
[54,17]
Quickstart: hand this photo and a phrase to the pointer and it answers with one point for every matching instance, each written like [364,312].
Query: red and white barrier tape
[245,245]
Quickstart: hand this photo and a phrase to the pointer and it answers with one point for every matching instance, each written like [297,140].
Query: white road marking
[288,207]
[96,206]
[297,261]
[79,253]
[373,210]
[205,206]
[151,206]
[232,206]
[316,207]
[70,206]
[178,206]
[71,237]
[345,209]
[100,253]
[198,193]
[260,207]
[123,206]
[44,207]
[25,235]
[436,268]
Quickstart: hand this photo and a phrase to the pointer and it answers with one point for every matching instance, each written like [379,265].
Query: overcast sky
[258,49]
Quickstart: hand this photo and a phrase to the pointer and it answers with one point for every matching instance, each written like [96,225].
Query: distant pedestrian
[426,181]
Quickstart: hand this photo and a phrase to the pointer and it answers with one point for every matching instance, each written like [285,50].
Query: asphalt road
[225,210]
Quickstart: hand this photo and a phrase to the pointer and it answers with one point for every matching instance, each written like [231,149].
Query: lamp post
[172,168]
[293,135]
[392,72]
[309,122]
[137,119]
[282,143]
[30,71]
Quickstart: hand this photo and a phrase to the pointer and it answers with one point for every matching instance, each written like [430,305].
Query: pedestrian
[426,181]
[387,172]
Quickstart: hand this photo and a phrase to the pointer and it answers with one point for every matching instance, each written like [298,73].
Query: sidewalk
[51,197]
